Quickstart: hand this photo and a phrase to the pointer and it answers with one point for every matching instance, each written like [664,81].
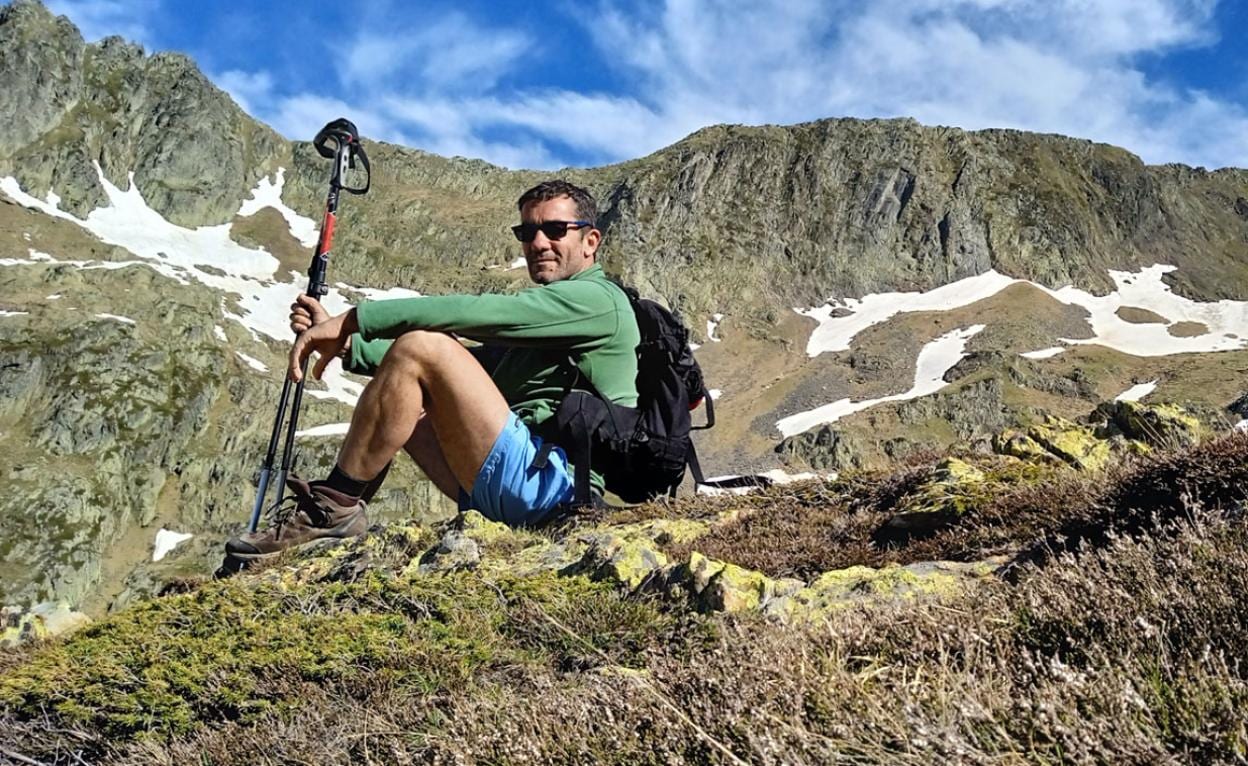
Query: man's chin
[543,276]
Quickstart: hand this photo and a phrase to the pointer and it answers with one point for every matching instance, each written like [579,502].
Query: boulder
[43,621]
[717,586]
[955,487]
[1157,425]
[624,561]
[1073,444]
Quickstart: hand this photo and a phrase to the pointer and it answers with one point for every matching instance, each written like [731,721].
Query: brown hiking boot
[310,513]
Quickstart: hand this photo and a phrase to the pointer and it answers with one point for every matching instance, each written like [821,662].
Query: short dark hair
[586,205]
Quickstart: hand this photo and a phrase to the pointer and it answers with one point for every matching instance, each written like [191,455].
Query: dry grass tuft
[1129,645]
[1134,653]
[803,530]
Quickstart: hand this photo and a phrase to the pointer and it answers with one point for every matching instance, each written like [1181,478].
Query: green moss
[236,650]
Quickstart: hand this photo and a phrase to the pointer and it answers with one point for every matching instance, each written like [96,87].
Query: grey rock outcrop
[110,427]
[68,104]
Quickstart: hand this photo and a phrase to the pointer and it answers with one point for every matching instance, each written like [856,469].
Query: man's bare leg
[425,450]
[429,374]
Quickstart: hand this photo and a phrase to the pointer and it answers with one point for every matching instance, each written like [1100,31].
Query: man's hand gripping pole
[338,141]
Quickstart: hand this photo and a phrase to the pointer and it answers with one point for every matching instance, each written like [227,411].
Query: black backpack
[641,451]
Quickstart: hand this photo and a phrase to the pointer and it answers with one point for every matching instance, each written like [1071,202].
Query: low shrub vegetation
[1123,646]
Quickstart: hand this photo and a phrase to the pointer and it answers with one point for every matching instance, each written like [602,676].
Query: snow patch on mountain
[389,293]
[1226,321]
[835,333]
[116,318]
[1136,392]
[166,541]
[329,429]
[252,362]
[935,359]
[269,194]
[206,255]
[711,325]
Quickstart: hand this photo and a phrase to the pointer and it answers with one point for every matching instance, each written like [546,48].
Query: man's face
[552,260]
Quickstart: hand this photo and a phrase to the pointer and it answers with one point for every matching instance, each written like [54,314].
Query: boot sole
[263,555]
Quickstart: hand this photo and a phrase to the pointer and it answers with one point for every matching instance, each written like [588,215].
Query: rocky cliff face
[846,207]
[110,427]
[67,104]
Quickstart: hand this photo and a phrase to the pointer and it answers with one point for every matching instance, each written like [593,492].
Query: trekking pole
[345,152]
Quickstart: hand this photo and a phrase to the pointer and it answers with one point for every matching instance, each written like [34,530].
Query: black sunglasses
[527,232]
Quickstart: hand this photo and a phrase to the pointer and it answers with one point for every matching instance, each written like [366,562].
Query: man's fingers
[311,305]
[322,362]
[298,353]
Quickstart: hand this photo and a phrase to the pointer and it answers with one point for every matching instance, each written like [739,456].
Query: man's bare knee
[422,348]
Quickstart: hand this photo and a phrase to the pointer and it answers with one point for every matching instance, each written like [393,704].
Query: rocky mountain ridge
[796,214]
[113,428]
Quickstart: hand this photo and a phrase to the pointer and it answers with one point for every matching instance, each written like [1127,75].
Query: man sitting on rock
[468,428]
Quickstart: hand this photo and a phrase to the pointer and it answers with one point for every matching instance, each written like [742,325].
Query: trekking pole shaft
[266,468]
[346,148]
[317,288]
[288,449]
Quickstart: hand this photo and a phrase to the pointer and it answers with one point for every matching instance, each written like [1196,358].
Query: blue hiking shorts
[509,489]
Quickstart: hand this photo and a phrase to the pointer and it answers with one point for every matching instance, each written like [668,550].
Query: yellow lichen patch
[856,585]
[1075,444]
[544,556]
[722,587]
[620,560]
[42,622]
[486,532]
[1020,445]
[663,531]
[1161,425]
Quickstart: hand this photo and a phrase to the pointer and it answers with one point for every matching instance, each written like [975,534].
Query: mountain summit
[947,285]
[68,104]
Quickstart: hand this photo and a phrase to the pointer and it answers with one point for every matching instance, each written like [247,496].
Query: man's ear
[593,238]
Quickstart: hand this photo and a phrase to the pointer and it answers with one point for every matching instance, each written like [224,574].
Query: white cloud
[1067,67]
[249,89]
[450,52]
[1060,66]
[97,19]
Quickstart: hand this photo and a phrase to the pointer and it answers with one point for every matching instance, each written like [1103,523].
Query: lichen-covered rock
[627,554]
[453,552]
[859,585]
[723,587]
[626,561]
[1073,444]
[18,626]
[717,586]
[954,487]
[1158,425]
[482,530]
[1018,444]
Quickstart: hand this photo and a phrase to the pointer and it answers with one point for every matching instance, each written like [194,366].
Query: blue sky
[544,85]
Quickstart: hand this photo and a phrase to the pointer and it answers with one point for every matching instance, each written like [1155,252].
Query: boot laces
[279,513]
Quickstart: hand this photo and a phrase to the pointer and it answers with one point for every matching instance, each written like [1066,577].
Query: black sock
[341,481]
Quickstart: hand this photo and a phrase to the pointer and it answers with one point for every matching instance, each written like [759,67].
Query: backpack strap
[707,402]
[695,468]
[574,428]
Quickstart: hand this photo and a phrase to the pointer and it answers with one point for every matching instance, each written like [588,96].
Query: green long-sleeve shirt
[584,317]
